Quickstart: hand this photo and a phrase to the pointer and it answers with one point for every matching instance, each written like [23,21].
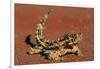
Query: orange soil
[63,19]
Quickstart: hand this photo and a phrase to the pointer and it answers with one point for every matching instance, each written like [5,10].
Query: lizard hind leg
[34,50]
[77,51]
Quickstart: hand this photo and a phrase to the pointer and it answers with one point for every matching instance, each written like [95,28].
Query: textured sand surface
[63,19]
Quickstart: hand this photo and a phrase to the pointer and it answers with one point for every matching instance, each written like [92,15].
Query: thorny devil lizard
[54,49]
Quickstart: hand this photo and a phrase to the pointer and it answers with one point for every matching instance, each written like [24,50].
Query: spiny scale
[55,49]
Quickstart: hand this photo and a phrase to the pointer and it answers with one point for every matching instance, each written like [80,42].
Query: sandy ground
[63,19]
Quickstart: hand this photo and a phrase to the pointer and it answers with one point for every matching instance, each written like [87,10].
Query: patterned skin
[55,49]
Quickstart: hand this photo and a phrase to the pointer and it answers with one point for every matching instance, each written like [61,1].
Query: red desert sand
[63,19]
